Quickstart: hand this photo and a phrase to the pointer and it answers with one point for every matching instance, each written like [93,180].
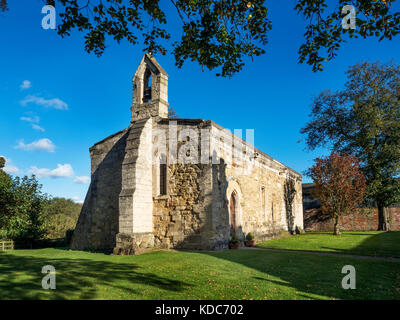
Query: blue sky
[71,99]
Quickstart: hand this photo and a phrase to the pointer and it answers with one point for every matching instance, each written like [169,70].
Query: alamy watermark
[49,280]
[193,145]
[349,20]
[349,281]
[49,20]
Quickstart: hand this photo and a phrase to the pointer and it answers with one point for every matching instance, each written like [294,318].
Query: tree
[339,184]
[2,162]
[3,5]
[220,33]
[5,196]
[325,34]
[364,120]
[21,216]
[60,215]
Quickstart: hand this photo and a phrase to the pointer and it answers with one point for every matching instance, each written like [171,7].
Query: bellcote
[150,90]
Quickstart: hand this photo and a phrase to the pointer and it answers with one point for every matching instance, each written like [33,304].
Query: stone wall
[251,175]
[180,218]
[194,213]
[365,220]
[97,225]
[125,211]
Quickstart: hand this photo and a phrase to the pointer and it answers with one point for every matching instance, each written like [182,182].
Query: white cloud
[38,145]
[82,180]
[55,103]
[9,167]
[26,84]
[77,200]
[34,119]
[62,170]
[37,127]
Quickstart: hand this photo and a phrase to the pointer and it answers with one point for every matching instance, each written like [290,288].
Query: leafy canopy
[21,208]
[339,185]
[60,215]
[363,119]
[220,34]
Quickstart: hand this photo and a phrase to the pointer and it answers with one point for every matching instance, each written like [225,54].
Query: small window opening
[163,179]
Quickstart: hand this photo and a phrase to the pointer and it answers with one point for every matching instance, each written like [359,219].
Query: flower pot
[250,243]
[234,245]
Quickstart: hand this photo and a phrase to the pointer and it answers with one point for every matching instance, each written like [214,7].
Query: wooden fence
[6,245]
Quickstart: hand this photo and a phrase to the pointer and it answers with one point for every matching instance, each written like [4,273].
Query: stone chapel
[181,183]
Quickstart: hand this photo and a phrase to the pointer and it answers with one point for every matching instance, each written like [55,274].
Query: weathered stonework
[208,195]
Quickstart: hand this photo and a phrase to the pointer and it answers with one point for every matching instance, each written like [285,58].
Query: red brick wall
[314,220]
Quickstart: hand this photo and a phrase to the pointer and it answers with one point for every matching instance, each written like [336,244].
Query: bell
[147,94]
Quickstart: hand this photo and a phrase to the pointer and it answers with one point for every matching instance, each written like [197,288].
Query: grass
[367,243]
[232,274]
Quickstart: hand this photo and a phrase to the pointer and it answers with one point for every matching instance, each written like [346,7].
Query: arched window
[233,211]
[147,86]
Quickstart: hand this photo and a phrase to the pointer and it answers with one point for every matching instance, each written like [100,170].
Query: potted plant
[250,242]
[234,243]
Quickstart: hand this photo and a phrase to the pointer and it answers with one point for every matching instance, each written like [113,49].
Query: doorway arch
[233,196]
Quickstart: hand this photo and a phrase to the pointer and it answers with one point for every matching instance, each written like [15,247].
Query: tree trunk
[383,217]
[336,230]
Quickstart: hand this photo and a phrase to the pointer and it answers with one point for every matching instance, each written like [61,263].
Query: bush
[22,202]
[249,237]
[61,215]
[28,216]
[234,239]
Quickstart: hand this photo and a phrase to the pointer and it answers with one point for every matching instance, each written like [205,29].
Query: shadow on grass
[76,278]
[384,244]
[321,275]
[311,275]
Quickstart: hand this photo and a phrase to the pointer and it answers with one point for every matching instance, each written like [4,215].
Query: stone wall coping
[188,121]
[183,121]
[108,138]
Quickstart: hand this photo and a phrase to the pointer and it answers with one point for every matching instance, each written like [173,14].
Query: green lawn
[367,243]
[232,274]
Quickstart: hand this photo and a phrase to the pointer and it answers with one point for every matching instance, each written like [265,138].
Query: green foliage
[6,199]
[219,34]
[60,216]
[28,215]
[2,162]
[21,208]
[3,5]
[324,33]
[234,239]
[216,34]
[249,237]
[364,120]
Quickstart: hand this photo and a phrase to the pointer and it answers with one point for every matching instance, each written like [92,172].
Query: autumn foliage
[339,184]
